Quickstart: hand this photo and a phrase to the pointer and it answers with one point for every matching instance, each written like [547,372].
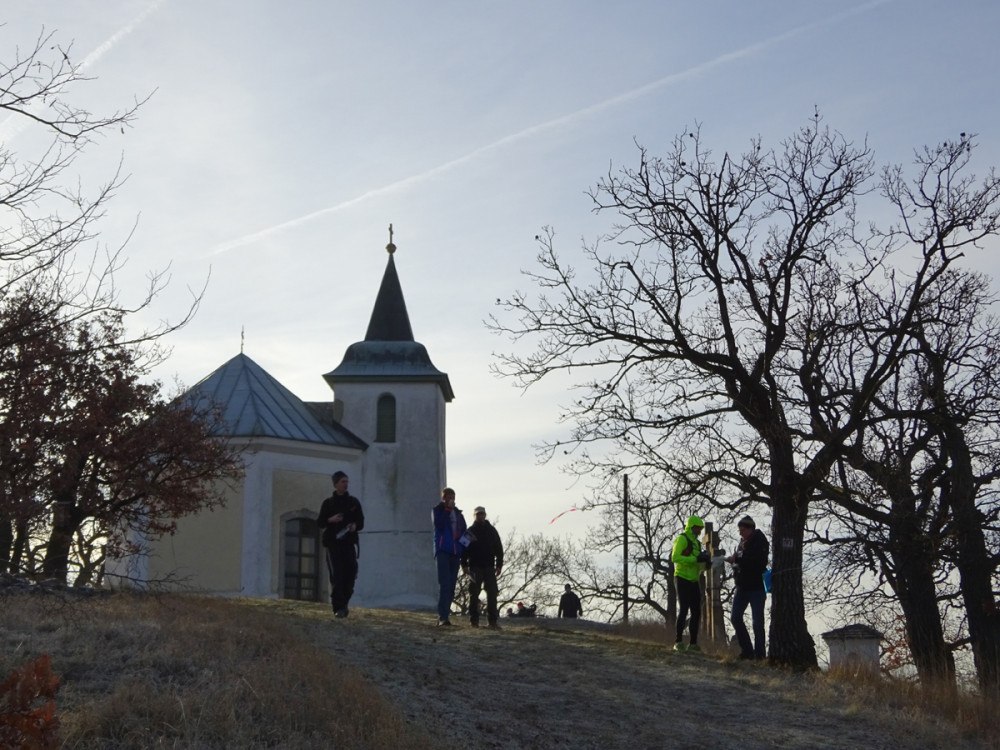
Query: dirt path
[541,684]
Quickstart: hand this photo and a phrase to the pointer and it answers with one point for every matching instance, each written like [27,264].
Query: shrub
[22,723]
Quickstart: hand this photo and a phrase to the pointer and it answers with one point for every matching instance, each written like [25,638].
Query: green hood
[692,522]
[685,551]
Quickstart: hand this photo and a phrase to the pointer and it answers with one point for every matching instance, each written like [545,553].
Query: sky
[280,140]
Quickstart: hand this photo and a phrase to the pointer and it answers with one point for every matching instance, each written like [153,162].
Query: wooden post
[625,552]
[714,620]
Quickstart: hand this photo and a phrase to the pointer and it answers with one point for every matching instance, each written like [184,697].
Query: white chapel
[384,426]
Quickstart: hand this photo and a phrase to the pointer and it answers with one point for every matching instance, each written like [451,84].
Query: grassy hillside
[192,672]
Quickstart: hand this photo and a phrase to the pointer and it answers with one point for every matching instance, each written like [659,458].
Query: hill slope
[552,684]
[191,672]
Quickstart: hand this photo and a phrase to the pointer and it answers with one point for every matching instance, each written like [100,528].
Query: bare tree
[49,227]
[928,453]
[61,309]
[87,441]
[691,331]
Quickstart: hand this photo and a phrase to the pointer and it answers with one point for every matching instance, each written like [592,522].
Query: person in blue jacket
[449,541]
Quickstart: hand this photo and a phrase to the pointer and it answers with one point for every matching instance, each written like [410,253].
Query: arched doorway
[302,559]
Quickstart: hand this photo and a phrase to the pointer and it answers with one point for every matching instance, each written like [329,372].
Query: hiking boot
[694,647]
[444,623]
[494,626]
[474,624]
[340,613]
[679,646]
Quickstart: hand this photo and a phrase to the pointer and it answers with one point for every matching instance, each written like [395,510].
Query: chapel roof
[254,404]
[389,351]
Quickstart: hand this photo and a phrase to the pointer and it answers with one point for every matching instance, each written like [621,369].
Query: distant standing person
[749,563]
[569,604]
[482,561]
[449,541]
[688,563]
[341,518]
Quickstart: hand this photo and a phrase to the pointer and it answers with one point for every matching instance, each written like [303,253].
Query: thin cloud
[553,124]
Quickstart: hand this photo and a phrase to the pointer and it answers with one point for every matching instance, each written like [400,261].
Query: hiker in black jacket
[749,563]
[569,604]
[341,518]
[482,561]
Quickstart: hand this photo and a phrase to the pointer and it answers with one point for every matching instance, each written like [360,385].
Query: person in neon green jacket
[688,566]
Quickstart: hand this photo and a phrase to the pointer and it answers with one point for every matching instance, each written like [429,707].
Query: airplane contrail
[106,47]
[548,125]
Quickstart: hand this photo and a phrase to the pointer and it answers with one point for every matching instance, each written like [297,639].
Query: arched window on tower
[385,419]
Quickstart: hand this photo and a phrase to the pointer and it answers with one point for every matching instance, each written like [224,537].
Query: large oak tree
[689,326]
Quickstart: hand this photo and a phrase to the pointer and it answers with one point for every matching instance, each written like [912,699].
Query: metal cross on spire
[390,247]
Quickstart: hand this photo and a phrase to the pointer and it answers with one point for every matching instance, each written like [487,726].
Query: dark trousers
[479,579]
[688,600]
[342,564]
[755,600]
[448,567]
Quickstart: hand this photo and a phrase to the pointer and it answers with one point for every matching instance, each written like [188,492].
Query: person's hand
[337,518]
[352,526]
[497,570]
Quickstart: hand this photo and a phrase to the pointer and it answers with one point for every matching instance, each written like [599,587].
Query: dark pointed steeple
[389,321]
[389,351]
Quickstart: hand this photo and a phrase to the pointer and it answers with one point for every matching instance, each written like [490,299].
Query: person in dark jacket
[749,563]
[482,561]
[449,541]
[341,518]
[569,604]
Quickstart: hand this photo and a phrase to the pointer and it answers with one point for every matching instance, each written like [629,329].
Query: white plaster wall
[202,555]
[402,482]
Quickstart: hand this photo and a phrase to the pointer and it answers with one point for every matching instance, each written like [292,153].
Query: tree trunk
[974,566]
[790,641]
[20,542]
[912,557]
[66,520]
[6,544]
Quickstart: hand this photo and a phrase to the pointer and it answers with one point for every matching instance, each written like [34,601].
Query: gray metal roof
[254,404]
[389,361]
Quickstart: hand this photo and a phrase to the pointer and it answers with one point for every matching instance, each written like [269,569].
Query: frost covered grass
[193,672]
[929,708]
[176,671]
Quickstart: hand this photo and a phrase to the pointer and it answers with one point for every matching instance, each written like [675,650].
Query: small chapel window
[385,419]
